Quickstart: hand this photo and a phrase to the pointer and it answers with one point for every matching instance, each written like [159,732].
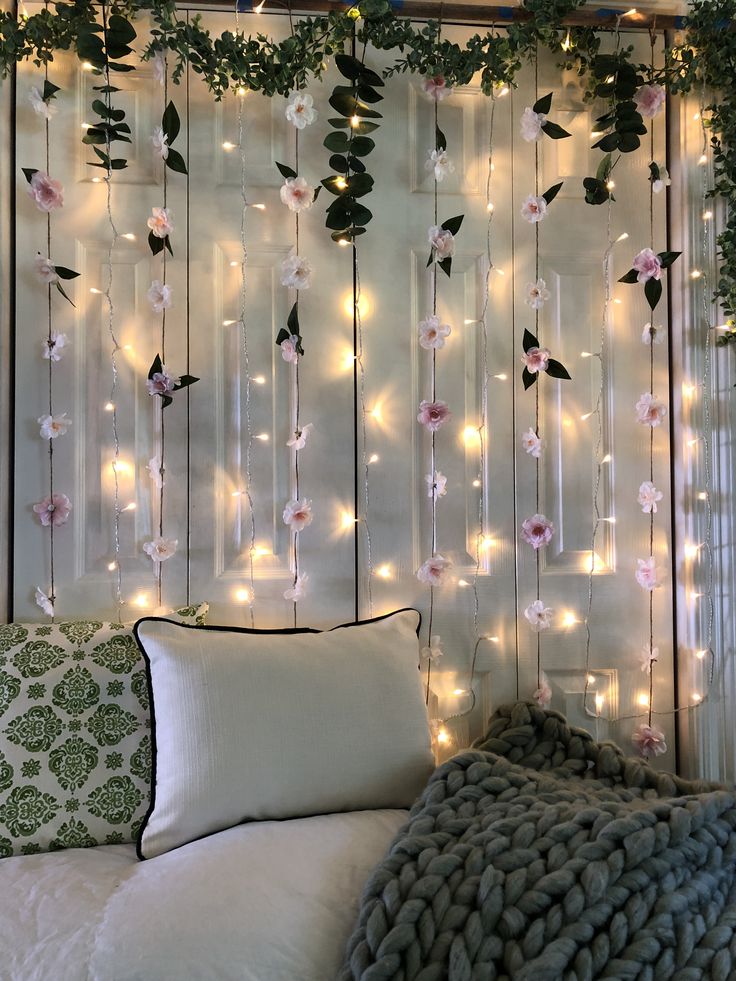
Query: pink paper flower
[531,124]
[53,510]
[159,296]
[442,242]
[288,350]
[536,359]
[649,740]
[649,100]
[296,194]
[648,657]
[537,531]
[648,497]
[537,294]
[160,549]
[433,652]
[432,572]
[433,414]
[44,602]
[650,411]
[298,589]
[539,616]
[647,574]
[162,382]
[432,333]
[160,222]
[648,265]
[46,270]
[46,192]
[298,514]
[437,486]
[532,443]
[534,209]
[54,347]
[436,87]
[543,695]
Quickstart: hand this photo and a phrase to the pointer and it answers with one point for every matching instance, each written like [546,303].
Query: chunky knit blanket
[541,854]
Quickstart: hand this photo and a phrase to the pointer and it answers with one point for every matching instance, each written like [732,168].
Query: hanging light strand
[651,428]
[364,439]
[297,406]
[162,417]
[537,468]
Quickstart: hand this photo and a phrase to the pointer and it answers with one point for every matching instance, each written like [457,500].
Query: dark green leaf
[155,368]
[122,28]
[60,288]
[653,292]
[167,243]
[628,142]
[552,192]
[528,378]
[544,104]
[292,321]
[348,66]
[608,143]
[604,169]
[440,140]
[155,244]
[360,215]
[283,335]
[185,381]
[360,146]
[446,266]
[452,225]
[667,258]
[368,94]
[369,78]
[29,172]
[632,276]
[170,122]
[357,165]
[337,162]
[166,400]
[557,370]
[65,273]
[175,161]
[336,142]
[287,171]
[49,92]
[529,341]
[360,184]
[555,132]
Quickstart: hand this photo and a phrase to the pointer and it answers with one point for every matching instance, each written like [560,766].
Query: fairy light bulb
[443,736]
[599,700]
[384,571]
[95,291]
[258,9]
[112,566]
[263,437]
[355,121]
[242,90]
[242,595]
[695,274]
[567,43]
[109,406]
[622,237]
[489,207]
[697,697]
[502,377]
[476,483]
[700,654]
[341,183]
[227,146]
[259,380]
[607,458]
[374,458]
[130,507]
[643,700]
[707,215]
[87,66]
[460,691]
[141,600]
[591,679]
[610,185]
[463,582]
[569,619]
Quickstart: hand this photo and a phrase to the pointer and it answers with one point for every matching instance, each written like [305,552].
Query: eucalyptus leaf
[360,146]
[336,142]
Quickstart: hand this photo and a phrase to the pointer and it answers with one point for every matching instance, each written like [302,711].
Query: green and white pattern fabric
[75,737]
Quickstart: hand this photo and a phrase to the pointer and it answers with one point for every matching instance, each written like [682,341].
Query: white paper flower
[539,616]
[44,602]
[288,351]
[158,66]
[160,142]
[159,296]
[298,590]
[154,471]
[531,124]
[299,440]
[650,411]
[433,652]
[531,443]
[46,270]
[439,162]
[160,549]
[537,294]
[647,574]
[649,655]
[298,514]
[432,572]
[543,695]
[534,209]
[296,272]
[432,333]
[300,111]
[437,485]
[53,426]
[648,497]
[442,242]
[649,100]
[54,347]
[652,334]
[296,194]
[41,108]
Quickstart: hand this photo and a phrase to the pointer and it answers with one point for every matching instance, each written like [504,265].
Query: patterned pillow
[75,741]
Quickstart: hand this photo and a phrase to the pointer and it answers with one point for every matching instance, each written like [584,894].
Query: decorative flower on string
[432,333]
[300,110]
[649,100]
[163,383]
[53,426]
[436,87]
[648,265]
[649,741]
[531,443]
[534,209]
[433,415]
[440,164]
[649,656]
[296,272]
[159,296]
[648,497]
[537,531]
[44,602]
[53,510]
[160,222]
[543,695]
[54,347]
[534,122]
[297,194]
[156,472]
[51,274]
[41,101]
[437,485]
[650,411]
[298,514]
[288,350]
[160,142]
[433,651]
[47,193]
[537,359]
[299,440]
[434,570]
[647,269]
[659,177]
[647,574]
[537,294]
[539,616]
[160,549]
[298,590]
[442,243]
[652,334]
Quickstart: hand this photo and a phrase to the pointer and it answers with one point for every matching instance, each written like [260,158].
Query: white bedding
[269,901]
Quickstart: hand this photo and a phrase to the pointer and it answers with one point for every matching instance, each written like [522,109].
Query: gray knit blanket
[541,854]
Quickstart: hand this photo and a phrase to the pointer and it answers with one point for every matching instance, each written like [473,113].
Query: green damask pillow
[75,738]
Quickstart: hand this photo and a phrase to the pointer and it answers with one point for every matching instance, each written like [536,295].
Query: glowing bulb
[347,520]
[459,691]
[227,145]
[703,160]
[599,700]
[471,435]
[258,9]
[567,43]
[343,241]
[489,207]
[622,237]
[355,121]
[130,507]
[258,207]
[96,180]
[259,380]
[707,215]
[696,596]
[374,458]
[611,521]
[643,700]
[486,541]
[112,566]
[688,390]
[498,272]
[95,291]
[86,125]
[607,458]
[263,437]
[236,493]
[591,679]
[696,116]
[462,582]
[703,496]
[384,571]
[617,301]
[376,413]
[109,406]
[695,274]
[129,235]
[610,185]
[259,551]
[87,66]
[692,442]
[443,736]
[476,483]
[341,183]
[595,134]
[502,377]
[242,90]
[697,697]
[569,620]
[234,262]
[586,415]
[141,600]
[629,13]
[493,640]
[701,654]
[691,550]
[227,323]
[242,595]
[504,91]
[585,354]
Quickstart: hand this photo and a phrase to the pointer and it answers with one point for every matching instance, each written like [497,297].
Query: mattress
[268,901]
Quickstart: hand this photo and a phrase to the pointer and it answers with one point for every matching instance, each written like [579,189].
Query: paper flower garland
[163,383]
[442,243]
[534,122]
[537,359]
[647,268]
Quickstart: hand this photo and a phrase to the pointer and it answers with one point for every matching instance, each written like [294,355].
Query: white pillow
[258,724]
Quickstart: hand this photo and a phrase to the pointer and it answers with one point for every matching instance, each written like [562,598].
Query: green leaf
[628,142]
[287,171]
[122,29]
[155,368]
[596,191]
[555,132]
[49,92]
[61,290]
[336,142]
[360,215]
[608,143]
[155,244]
[339,122]
[667,258]
[167,243]
[170,122]
[292,321]
[29,172]
[528,378]
[337,162]
[175,161]
[529,341]
[452,225]
[632,276]
[544,104]
[369,78]
[348,106]
[557,370]
[283,335]
[446,266]
[185,381]
[604,169]
[440,140]
[357,165]
[166,400]
[367,94]
[333,185]
[552,192]
[65,273]
[653,292]
[348,66]
[360,146]
[360,184]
